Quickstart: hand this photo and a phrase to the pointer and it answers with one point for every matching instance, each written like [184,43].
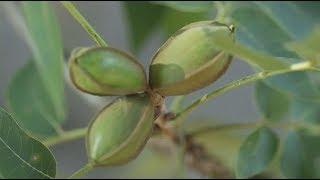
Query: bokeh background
[109,20]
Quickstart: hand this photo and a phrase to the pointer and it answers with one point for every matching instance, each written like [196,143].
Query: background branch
[84,23]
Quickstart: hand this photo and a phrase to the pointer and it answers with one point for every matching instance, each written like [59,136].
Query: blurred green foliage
[269,35]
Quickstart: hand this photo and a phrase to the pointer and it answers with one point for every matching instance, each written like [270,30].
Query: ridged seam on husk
[143,113]
[89,128]
[135,61]
[122,144]
[121,147]
[200,69]
[185,28]
[231,28]
[190,76]
[208,23]
[206,65]
[74,59]
[84,90]
[96,83]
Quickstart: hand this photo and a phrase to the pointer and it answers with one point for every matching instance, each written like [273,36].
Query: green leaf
[187,6]
[305,110]
[273,104]
[288,22]
[292,156]
[276,105]
[173,20]
[311,9]
[142,18]
[21,156]
[298,84]
[252,20]
[257,59]
[45,42]
[300,156]
[308,48]
[256,153]
[289,17]
[31,103]
[252,23]
[312,145]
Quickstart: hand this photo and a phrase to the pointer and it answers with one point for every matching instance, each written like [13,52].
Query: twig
[241,82]
[65,136]
[199,159]
[84,23]
[195,155]
[88,167]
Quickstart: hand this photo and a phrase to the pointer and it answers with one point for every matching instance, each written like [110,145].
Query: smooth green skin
[256,152]
[21,156]
[189,60]
[38,117]
[120,130]
[106,71]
